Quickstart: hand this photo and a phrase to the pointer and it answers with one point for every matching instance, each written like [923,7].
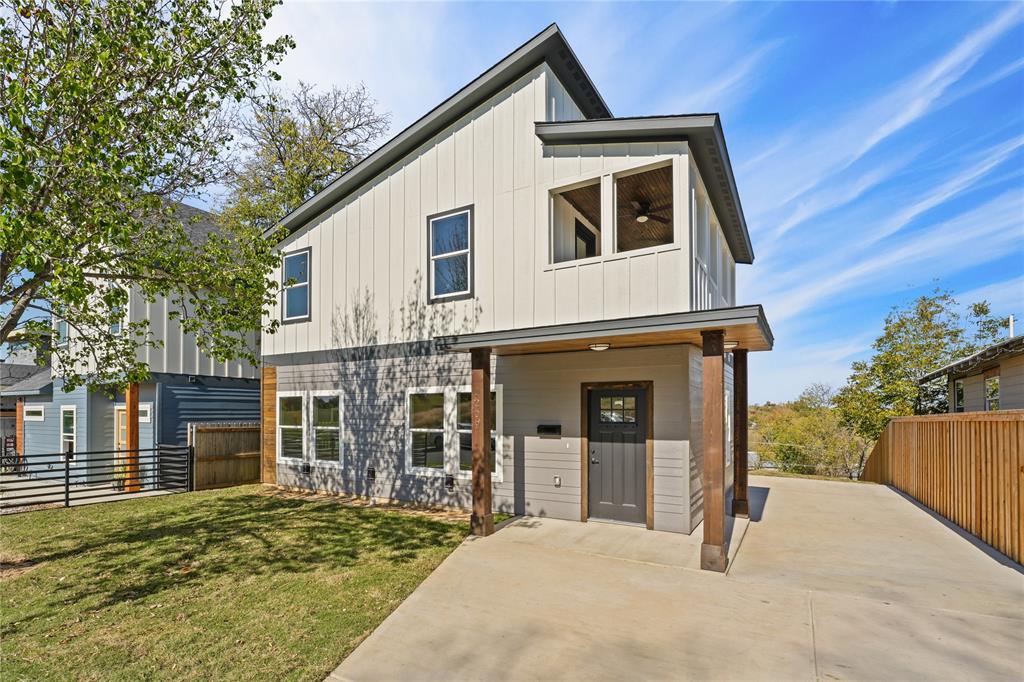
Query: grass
[228,584]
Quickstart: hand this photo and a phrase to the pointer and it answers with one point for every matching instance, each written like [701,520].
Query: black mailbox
[551,430]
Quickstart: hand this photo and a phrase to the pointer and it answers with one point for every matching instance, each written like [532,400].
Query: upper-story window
[644,210]
[958,395]
[640,211]
[295,271]
[62,332]
[450,236]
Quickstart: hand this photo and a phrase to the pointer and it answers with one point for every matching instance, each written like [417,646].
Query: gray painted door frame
[617,451]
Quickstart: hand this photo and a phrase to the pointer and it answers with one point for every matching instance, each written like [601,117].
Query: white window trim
[73,409]
[33,406]
[451,431]
[146,408]
[305,436]
[468,251]
[67,333]
[999,390]
[311,445]
[447,393]
[307,252]
[649,165]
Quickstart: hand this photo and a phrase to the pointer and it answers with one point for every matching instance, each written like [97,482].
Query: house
[185,385]
[991,379]
[19,364]
[522,304]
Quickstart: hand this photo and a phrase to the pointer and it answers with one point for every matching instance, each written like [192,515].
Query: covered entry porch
[618,430]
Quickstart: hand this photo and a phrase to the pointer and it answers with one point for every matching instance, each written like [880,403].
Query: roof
[547,46]
[703,132]
[744,325]
[980,361]
[198,224]
[38,383]
[13,372]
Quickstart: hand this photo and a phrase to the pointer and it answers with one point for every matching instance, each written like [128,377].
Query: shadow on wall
[374,364]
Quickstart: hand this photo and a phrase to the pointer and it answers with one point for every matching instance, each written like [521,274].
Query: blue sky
[879,148]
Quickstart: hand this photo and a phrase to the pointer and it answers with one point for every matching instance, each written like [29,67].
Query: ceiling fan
[644,212]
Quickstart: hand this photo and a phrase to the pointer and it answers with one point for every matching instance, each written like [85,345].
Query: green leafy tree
[111,111]
[916,339]
[808,435]
[292,145]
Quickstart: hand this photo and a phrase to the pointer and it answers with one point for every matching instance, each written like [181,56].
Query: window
[644,211]
[291,434]
[451,262]
[465,429]
[992,393]
[62,332]
[120,312]
[440,438]
[68,419]
[326,420]
[33,413]
[426,430]
[295,270]
[145,413]
[958,395]
[618,409]
[576,222]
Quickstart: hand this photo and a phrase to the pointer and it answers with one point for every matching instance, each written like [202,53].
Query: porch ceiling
[746,326]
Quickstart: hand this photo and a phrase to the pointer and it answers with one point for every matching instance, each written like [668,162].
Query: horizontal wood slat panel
[268,425]
[968,467]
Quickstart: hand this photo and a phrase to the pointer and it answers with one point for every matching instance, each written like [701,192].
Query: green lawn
[237,584]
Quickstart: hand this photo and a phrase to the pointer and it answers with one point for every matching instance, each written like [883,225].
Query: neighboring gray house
[991,379]
[185,386]
[520,248]
[19,364]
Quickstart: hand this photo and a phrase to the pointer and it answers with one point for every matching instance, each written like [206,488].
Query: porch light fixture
[600,346]
[730,345]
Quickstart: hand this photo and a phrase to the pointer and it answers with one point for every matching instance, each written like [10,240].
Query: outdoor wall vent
[305,468]
[371,474]
[192,379]
[449,482]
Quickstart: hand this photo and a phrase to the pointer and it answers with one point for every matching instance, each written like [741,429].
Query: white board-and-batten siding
[368,253]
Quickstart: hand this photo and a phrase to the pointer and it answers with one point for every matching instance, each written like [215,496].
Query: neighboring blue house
[185,386]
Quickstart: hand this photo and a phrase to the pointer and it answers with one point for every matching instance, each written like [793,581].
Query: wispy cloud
[1005,297]
[723,90]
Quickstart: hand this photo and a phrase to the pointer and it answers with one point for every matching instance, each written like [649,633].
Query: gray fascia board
[963,367]
[691,128]
[701,319]
[548,45]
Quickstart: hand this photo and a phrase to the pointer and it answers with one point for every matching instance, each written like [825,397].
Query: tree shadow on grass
[194,540]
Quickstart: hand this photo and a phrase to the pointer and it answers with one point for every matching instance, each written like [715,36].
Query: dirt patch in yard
[13,565]
[440,513]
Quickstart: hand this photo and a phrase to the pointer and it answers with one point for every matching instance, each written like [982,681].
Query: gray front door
[617,439]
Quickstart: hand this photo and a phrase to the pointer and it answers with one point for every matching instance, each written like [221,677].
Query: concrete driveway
[830,580]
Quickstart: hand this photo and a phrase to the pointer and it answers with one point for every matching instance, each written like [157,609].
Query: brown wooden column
[740,506]
[19,429]
[482,521]
[131,460]
[714,551]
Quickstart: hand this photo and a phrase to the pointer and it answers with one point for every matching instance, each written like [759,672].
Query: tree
[916,339]
[292,145]
[807,435]
[111,111]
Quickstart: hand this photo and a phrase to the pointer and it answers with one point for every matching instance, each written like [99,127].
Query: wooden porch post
[131,460]
[740,506]
[715,550]
[268,425]
[19,429]
[482,521]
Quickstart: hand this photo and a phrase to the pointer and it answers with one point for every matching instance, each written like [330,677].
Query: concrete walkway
[829,581]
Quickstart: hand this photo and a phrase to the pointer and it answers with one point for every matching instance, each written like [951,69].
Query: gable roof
[984,359]
[703,133]
[36,384]
[547,46]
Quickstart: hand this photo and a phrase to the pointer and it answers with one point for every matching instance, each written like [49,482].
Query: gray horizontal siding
[209,399]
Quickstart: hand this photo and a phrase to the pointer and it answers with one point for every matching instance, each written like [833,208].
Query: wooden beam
[715,549]
[482,520]
[268,425]
[740,504]
[131,459]
[19,430]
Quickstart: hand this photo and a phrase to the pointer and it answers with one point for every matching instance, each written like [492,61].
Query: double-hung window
[440,431]
[68,423]
[992,392]
[326,420]
[465,429]
[426,429]
[62,332]
[295,286]
[450,237]
[958,395]
[291,432]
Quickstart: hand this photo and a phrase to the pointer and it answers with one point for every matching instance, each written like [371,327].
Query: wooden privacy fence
[968,467]
[225,454]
